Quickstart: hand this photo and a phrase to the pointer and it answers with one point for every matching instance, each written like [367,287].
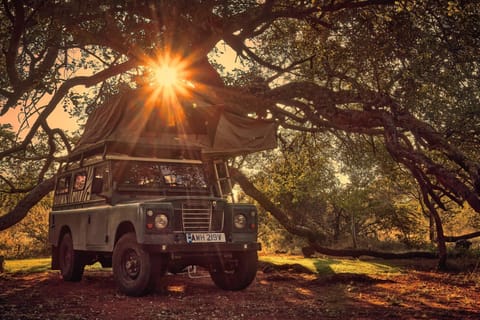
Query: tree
[298,178]
[404,72]
[29,237]
[365,201]
[346,193]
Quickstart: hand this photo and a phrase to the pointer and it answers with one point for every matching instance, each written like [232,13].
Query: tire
[132,267]
[239,275]
[70,261]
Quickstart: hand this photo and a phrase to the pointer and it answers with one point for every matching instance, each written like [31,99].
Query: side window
[102,172]
[63,185]
[79,181]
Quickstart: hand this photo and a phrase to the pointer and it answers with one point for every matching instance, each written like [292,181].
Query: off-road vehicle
[145,207]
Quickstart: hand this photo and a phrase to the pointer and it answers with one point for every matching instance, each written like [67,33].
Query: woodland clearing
[410,290]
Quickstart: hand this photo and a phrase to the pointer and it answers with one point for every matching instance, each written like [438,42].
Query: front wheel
[236,274]
[131,266]
[70,260]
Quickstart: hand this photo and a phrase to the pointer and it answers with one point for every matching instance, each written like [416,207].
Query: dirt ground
[418,293]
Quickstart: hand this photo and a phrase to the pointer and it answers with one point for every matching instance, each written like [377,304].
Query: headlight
[239,221]
[161,221]
[150,212]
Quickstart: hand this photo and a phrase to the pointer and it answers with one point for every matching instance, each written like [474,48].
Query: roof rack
[140,150]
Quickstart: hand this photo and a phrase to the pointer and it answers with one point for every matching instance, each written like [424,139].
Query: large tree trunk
[441,246]
[336,227]
[354,231]
[431,228]
[356,253]
[462,237]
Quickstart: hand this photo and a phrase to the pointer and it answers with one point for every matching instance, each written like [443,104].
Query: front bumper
[200,248]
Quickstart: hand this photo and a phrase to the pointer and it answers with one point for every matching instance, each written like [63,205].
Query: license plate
[198,237]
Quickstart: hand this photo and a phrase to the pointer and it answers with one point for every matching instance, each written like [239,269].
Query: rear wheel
[70,261]
[238,273]
[132,267]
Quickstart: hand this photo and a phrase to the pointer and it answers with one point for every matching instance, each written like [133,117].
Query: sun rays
[166,76]
[169,85]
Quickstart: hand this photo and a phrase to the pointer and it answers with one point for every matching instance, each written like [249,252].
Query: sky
[61,119]
[58,119]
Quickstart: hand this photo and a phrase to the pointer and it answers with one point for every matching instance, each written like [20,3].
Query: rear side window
[79,181]
[63,185]
[102,172]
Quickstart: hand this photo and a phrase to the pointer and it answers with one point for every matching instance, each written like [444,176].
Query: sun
[169,73]
[167,88]
[166,76]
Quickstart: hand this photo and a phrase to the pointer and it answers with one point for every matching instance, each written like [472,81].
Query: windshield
[159,175]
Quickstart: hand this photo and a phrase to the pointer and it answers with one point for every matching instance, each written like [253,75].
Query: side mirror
[97,185]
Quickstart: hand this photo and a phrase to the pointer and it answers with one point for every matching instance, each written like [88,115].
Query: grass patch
[97,266]
[37,265]
[331,266]
[317,265]
[27,265]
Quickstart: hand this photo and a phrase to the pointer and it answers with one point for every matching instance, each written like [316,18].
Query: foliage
[325,266]
[28,238]
[380,196]
[368,192]
[298,179]
[275,239]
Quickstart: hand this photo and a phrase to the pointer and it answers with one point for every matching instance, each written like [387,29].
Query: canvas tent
[138,118]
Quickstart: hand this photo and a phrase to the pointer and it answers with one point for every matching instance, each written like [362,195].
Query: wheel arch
[65,229]
[123,228]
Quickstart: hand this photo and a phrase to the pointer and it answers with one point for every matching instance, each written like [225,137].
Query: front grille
[198,215]
[196,218]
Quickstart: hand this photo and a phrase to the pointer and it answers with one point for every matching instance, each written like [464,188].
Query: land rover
[148,213]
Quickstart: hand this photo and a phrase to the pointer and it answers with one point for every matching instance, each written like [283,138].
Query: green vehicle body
[146,214]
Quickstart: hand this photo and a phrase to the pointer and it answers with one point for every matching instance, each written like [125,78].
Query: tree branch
[281,216]
[25,204]
[462,237]
[11,54]
[86,81]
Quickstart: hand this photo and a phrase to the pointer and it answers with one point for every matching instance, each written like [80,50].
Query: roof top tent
[133,123]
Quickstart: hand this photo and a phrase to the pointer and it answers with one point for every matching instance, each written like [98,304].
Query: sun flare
[168,86]
[166,75]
